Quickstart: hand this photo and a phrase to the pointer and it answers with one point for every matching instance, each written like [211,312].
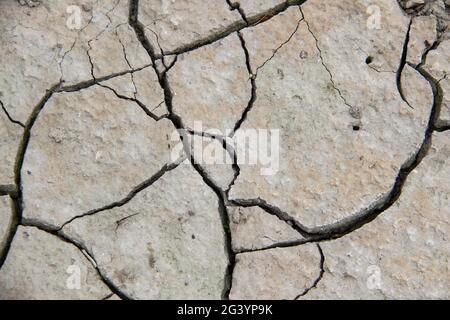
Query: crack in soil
[234,27]
[252,79]
[89,256]
[317,234]
[237,6]
[138,102]
[354,111]
[319,277]
[282,44]
[133,193]
[402,64]
[11,119]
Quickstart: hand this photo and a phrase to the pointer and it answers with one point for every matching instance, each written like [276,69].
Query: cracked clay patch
[224,149]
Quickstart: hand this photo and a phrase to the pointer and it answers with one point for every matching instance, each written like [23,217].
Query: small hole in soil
[369,60]
[356,128]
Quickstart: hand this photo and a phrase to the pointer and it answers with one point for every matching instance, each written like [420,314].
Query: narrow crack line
[380,71]
[90,257]
[60,63]
[18,198]
[402,64]
[124,52]
[276,245]
[369,64]
[175,59]
[252,79]
[237,6]
[9,116]
[107,14]
[108,296]
[73,45]
[228,145]
[157,106]
[133,193]
[161,50]
[89,83]
[120,221]
[275,211]
[321,273]
[280,46]
[336,88]
[96,37]
[138,102]
[90,60]
[236,26]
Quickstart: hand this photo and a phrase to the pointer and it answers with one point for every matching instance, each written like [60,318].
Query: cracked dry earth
[358,208]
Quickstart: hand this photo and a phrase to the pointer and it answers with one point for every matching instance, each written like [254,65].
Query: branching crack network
[306,234]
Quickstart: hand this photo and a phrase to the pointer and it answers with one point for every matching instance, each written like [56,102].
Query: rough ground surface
[105,193]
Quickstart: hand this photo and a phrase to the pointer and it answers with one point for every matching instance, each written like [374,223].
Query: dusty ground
[128,130]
